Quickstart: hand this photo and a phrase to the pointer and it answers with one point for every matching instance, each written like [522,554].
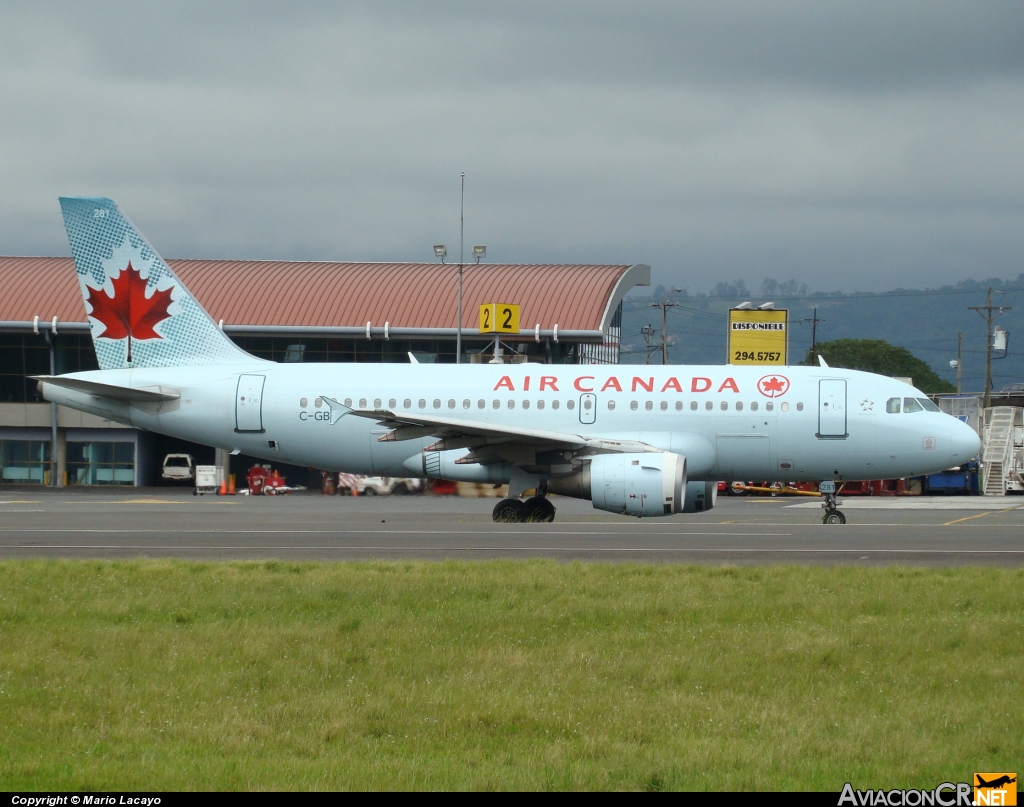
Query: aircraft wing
[458,433]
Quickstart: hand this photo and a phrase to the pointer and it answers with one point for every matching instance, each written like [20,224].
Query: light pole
[479,252]
[462,230]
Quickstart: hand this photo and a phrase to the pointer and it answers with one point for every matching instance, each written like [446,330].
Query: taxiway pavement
[164,523]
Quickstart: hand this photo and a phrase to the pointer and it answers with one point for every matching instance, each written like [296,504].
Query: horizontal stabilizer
[118,393]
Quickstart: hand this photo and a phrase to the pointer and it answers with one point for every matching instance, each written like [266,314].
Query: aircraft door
[588,407]
[832,408]
[249,403]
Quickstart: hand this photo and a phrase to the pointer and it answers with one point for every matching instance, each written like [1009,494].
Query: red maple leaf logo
[773,385]
[129,312]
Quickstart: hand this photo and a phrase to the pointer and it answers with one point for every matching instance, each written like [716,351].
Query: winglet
[821,361]
[413,359]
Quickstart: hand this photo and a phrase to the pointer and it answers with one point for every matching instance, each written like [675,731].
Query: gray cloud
[851,146]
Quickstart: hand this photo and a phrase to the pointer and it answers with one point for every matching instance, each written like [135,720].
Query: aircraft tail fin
[140,313]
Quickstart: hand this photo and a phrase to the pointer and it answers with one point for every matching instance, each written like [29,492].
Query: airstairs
[997,453]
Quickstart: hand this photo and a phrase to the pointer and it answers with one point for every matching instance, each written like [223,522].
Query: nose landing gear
[832,514]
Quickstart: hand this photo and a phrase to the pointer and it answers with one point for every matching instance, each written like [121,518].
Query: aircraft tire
[835,517]
[509,511]
[539,510]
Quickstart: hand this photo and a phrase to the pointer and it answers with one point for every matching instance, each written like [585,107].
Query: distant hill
[925,321]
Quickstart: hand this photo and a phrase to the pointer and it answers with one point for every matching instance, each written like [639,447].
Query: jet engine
[648,484]
[700,496]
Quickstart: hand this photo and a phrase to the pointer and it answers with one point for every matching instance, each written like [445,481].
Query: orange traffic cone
[223,488]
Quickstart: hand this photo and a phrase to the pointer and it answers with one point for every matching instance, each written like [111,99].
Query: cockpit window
[892,406]
[929,405]
[911,405]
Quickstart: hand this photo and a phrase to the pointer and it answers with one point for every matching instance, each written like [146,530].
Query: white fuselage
[823,423]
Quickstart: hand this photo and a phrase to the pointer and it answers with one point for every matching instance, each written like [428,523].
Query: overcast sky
[854,146]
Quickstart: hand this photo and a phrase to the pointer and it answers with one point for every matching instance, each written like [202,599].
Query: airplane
[634,440]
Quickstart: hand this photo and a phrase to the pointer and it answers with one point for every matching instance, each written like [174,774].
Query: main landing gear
[535,510]
[832,514]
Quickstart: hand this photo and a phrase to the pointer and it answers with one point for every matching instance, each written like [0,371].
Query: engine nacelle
[700,496]
[649,484]
[443,465]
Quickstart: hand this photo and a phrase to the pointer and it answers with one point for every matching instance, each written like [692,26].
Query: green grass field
[167,675]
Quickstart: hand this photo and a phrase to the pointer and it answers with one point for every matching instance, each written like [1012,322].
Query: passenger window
[392,403]
[769,406]
[481,404]
[318,402]
[649,406]
[679,406]
[753,406]
[407,404]
[376,403]
[362,403]
[540,404]
[554,404]
[451,403]
[611,405]
[348,402]
[725,406]
[664,405]
[496,404]
[466,403]
[633,405]
[511,404]
[437,403]
[693,406]
[423,403]
[303,402]
[587,404]
[929,405]
[526,404]
[799,407]
[739,406]
[911,405]
[892,406]
[570,404]
[785,406]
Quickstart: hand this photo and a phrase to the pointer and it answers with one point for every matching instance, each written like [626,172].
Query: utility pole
[664,305]
[814,335]
[462,231]
[647,331]
[988,316]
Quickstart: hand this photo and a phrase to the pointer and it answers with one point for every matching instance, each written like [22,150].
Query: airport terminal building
[286,312]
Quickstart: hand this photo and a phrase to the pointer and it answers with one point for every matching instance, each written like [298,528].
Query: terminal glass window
[24,462]
[101,463]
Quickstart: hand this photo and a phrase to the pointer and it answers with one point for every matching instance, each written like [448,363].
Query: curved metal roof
[272,295]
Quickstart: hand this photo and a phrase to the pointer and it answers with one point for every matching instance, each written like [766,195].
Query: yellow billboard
[758,336]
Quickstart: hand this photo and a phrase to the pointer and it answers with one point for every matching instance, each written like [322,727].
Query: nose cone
[964,441]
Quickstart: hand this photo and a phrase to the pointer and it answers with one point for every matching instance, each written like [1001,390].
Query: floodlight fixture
[479,253]
[441,251]
[744,305]
[766,307]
